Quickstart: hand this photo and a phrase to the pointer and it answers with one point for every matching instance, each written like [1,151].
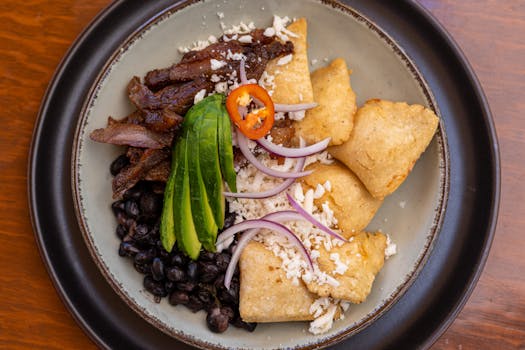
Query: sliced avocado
[167,229]
[224,134]
[185,232]
[210,166]
[203,217]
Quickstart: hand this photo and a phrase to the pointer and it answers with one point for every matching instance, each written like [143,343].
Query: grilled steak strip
[133,173]
[132,135]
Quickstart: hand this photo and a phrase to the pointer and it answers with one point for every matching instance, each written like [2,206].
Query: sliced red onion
[313,220]
[272,192]
[242,142]
[242,72]
[225,239]
[293,152]
[247,237]
[279,107]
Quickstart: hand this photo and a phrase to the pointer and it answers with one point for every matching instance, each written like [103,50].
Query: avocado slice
[210,166]
[185,232]
[225,147]
[203,217]
[167,228]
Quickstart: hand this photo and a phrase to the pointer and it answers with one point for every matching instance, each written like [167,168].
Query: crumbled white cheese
[216,64]
[314,61]
[215,78]
[297,116]
[328,186]
[269,32]
[241,28]
[199,96]
[235,56]
[402,204]
[323,323]
[220,15]
[279,28]
[221,87]
[319,191]
[391,247]
[285,60]
[246,39]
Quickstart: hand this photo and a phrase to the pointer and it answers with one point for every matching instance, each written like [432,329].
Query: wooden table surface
[35,34]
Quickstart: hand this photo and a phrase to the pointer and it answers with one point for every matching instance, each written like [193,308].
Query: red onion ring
[247,237]
[225,239]
[272,192]
[242,72]
[313,220]
[242,142]
[299,107]
[293,152]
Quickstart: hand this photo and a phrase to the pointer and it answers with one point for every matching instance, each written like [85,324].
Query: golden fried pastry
[292,80]
[266,295]
[334,115]
[353,206]
[363,256]
[387,140]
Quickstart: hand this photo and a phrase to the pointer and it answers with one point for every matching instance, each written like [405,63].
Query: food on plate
[288,78]
[353,265]
[334,115]
[387,140]
[351,203]
[228,199]
[266,294]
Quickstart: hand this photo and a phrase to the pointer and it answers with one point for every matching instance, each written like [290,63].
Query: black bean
[132,208]
[157,269]
[179,297]
[207,272]
[229,220]
[145,256]
[154,287]
[150,204]
[175,274]
[186,286]
[216,320]
[205,296]
[178,260]
[118,207]
[123,220]
[134,192]
[121,231]
[170,286]
[127,249]
[228,311]
[219,282]
[142,268]
[192,270]
[206,256]
[195,304]
[118,164]
[141,232]
[222,261]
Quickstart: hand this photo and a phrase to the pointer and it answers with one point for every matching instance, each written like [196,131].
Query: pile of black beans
[198,285]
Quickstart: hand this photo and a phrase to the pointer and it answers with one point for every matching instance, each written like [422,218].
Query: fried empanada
[266,295]
[292,80]
[353,206]
[385,143]
[334,115]
[364,255]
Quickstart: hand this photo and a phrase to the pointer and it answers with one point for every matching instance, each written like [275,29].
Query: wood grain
[34,36]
